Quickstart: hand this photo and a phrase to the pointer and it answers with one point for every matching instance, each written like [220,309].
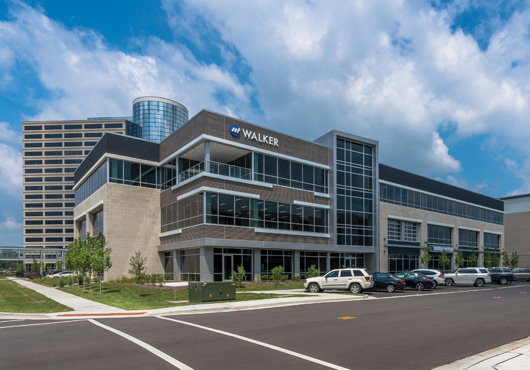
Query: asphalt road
[419,330]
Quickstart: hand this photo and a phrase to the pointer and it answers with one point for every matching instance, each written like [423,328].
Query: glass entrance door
[228,266]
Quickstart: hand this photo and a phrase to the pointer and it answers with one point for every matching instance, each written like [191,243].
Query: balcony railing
[216,168]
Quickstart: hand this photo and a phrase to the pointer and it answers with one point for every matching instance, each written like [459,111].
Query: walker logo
[247,134]
[234,130]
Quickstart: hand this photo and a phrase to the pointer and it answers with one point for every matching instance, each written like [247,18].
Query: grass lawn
[271,286]
[126,296]
[16,298]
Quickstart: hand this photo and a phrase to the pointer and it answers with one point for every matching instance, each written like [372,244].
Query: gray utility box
[209,292]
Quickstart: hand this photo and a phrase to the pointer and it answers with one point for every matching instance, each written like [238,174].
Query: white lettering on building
[266,139]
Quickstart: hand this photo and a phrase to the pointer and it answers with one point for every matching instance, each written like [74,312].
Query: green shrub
[277,274]
[61,282]
[296,278]
[312,271]
[80,278]
[264,278]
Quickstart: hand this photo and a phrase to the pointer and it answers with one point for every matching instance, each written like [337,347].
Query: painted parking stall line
[173,361]
[257,342]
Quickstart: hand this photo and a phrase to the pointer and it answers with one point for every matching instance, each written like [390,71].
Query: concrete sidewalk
[77,304]
[512,356]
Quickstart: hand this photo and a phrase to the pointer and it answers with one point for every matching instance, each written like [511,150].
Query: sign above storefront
[251,135]
[442,249]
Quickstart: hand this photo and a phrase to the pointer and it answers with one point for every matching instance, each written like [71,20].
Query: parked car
[61,274]
[388,282]
[354,280]
[470,275]
[415,280]
[521,274]
[501,275]
[53,272]
[436,275]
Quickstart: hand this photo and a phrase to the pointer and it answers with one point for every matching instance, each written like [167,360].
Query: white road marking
[443,293]
[270,346]
[39,324]
[153,350]
[12,321]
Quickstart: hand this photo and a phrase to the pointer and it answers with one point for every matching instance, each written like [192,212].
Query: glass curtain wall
[355,201]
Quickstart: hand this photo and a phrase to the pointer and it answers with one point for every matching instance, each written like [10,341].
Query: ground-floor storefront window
[271,258]
[227,260]
[403,259]
[190,265]
[345,260]
[308,259]
[436,265]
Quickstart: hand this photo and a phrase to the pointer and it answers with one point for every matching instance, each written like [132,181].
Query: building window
[467,238]
[53,136]
[402,262]
[190,267]
[296,175]
[491,241]
[98,222]
[439,234]
[32,128]
[226,260]
[273,258]
[53,127]
[409,198]
[72,136]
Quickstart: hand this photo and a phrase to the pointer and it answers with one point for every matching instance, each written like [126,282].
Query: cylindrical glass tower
[158,117]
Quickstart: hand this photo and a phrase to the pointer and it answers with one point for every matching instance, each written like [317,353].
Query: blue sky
[442,85]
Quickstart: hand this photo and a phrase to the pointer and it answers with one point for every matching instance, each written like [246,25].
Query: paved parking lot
[404,330]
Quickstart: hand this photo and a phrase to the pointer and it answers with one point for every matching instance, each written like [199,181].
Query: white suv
[470,275]
[436,275]
[354,280]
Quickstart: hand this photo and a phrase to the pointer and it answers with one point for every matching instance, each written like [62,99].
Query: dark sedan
[388,282]
[415,280]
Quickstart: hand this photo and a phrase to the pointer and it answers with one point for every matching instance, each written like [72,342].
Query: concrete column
[206,264]
[207,156]
[256,264]
[328,262]
[296,267]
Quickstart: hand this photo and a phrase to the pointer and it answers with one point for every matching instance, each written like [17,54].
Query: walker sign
[247,134]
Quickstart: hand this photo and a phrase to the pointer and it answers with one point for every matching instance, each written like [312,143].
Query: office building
[220,193]
[52,150]
[517,220]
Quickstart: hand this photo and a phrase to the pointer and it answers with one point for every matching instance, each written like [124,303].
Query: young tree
[239,276]
[495,258]
[277,274]
[473,257]
[138,267]
[445,262]
[459,259]
[426,256]
[35,266]
[514,261]
[487,258]
[101,261]
[505,259]
[72,258]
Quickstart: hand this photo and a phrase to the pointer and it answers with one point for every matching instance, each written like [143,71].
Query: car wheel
[390,288]
[503,280]
[314,288]
[419,286]
[449,282]
[355,288]
[479,282]
[435,284]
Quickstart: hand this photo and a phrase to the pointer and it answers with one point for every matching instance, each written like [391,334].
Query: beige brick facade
[131,222]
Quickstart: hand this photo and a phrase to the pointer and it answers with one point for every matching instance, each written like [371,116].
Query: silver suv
[469,275]
[354,280]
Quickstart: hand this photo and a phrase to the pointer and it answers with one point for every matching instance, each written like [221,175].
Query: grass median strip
[16,298]
[151,297]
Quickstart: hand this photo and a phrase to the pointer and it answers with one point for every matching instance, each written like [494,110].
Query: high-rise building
[52,151]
